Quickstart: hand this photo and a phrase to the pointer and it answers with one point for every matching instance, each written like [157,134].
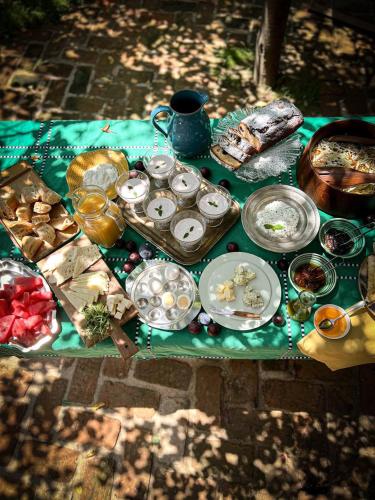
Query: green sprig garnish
[159,210]
[97,319]
[274,227]
[213,203]
[187,234]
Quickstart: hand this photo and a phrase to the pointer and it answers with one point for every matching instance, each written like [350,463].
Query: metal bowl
[309,219]
[347,227]
[10,269]
[137,286]
[318,260]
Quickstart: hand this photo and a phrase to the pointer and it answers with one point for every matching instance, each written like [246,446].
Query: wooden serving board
[18,176]
[126,347]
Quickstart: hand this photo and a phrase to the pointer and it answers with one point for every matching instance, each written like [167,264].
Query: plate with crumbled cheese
[280,218]
[240,281]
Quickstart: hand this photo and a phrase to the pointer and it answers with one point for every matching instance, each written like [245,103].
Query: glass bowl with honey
[341,238]
[312,272]
[340,328]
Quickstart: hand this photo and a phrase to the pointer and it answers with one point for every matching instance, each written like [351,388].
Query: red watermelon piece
[29,283]
[4,308]
[42,307]
[34,322]
[40,295]
[6,324]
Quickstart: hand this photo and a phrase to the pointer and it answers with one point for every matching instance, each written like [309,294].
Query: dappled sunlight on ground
[120,61]
[56,441]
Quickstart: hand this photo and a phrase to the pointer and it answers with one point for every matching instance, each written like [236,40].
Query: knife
[241,314]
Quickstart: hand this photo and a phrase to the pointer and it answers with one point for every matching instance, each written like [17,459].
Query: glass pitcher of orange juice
[98,217]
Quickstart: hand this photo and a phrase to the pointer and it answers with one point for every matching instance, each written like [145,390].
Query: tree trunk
[269,41]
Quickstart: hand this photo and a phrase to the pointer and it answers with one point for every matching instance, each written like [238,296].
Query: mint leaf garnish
[274,227]
[187,234]
[159,210]
[213,203]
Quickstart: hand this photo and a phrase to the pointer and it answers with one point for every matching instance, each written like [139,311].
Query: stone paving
[170,429]
[120,59]
[185,429]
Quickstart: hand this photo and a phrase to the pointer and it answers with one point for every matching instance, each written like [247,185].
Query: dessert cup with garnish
[159,167]
[188,228]
[133,189]
[185,182]
[160,206]
[213,203]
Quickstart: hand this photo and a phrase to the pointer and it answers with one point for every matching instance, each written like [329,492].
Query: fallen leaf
[97,406]
[106,128]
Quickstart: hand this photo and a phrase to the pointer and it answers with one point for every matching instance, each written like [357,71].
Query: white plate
[266,281]
[308,224]
[10,269]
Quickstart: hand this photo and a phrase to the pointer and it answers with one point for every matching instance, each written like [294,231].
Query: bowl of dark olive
[341,238]
[313,272]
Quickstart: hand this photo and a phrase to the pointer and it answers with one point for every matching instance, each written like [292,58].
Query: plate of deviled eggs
[164,294]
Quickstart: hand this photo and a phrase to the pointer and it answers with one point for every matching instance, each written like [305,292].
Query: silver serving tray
[308,225]
[10,269]
[143,273]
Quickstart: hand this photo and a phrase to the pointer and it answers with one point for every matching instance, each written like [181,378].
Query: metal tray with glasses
[164,293]
[308,218]
[165,241]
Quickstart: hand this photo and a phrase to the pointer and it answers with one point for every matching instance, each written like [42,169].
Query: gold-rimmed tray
[86,161]
[166,242]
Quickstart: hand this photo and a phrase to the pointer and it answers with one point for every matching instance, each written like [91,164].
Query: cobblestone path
[168,429]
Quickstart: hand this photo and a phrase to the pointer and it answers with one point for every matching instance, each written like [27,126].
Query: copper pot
[331,199]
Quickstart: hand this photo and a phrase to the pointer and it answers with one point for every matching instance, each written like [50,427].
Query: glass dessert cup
[160,207]
[159,166]
[213,203]
[133,187]
[188,228]
[184,181]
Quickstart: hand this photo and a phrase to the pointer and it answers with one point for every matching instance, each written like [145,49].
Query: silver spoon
[328,324]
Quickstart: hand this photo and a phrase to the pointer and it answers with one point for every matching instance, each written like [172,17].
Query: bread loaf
[221,156]
[272,123]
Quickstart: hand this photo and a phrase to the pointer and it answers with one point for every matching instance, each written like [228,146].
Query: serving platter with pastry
[256,143]
[90,294]
[337,168]
[32,213]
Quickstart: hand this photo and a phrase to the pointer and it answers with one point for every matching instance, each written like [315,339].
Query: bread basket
[328,198]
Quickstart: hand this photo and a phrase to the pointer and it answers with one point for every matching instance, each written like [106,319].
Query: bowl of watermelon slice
[27,309]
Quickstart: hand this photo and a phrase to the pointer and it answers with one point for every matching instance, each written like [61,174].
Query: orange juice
[99,218]
[330,311]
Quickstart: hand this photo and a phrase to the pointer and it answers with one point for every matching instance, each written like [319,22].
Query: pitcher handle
[204,96]
[155,112]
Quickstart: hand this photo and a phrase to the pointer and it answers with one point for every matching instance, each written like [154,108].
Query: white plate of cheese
[223,269]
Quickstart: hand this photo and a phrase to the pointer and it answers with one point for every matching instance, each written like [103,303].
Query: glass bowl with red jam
[336,237]
[313,272]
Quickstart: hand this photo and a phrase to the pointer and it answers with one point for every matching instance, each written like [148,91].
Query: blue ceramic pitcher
[188,127]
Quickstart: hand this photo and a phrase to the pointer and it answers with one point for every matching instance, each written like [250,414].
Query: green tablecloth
[50,146]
